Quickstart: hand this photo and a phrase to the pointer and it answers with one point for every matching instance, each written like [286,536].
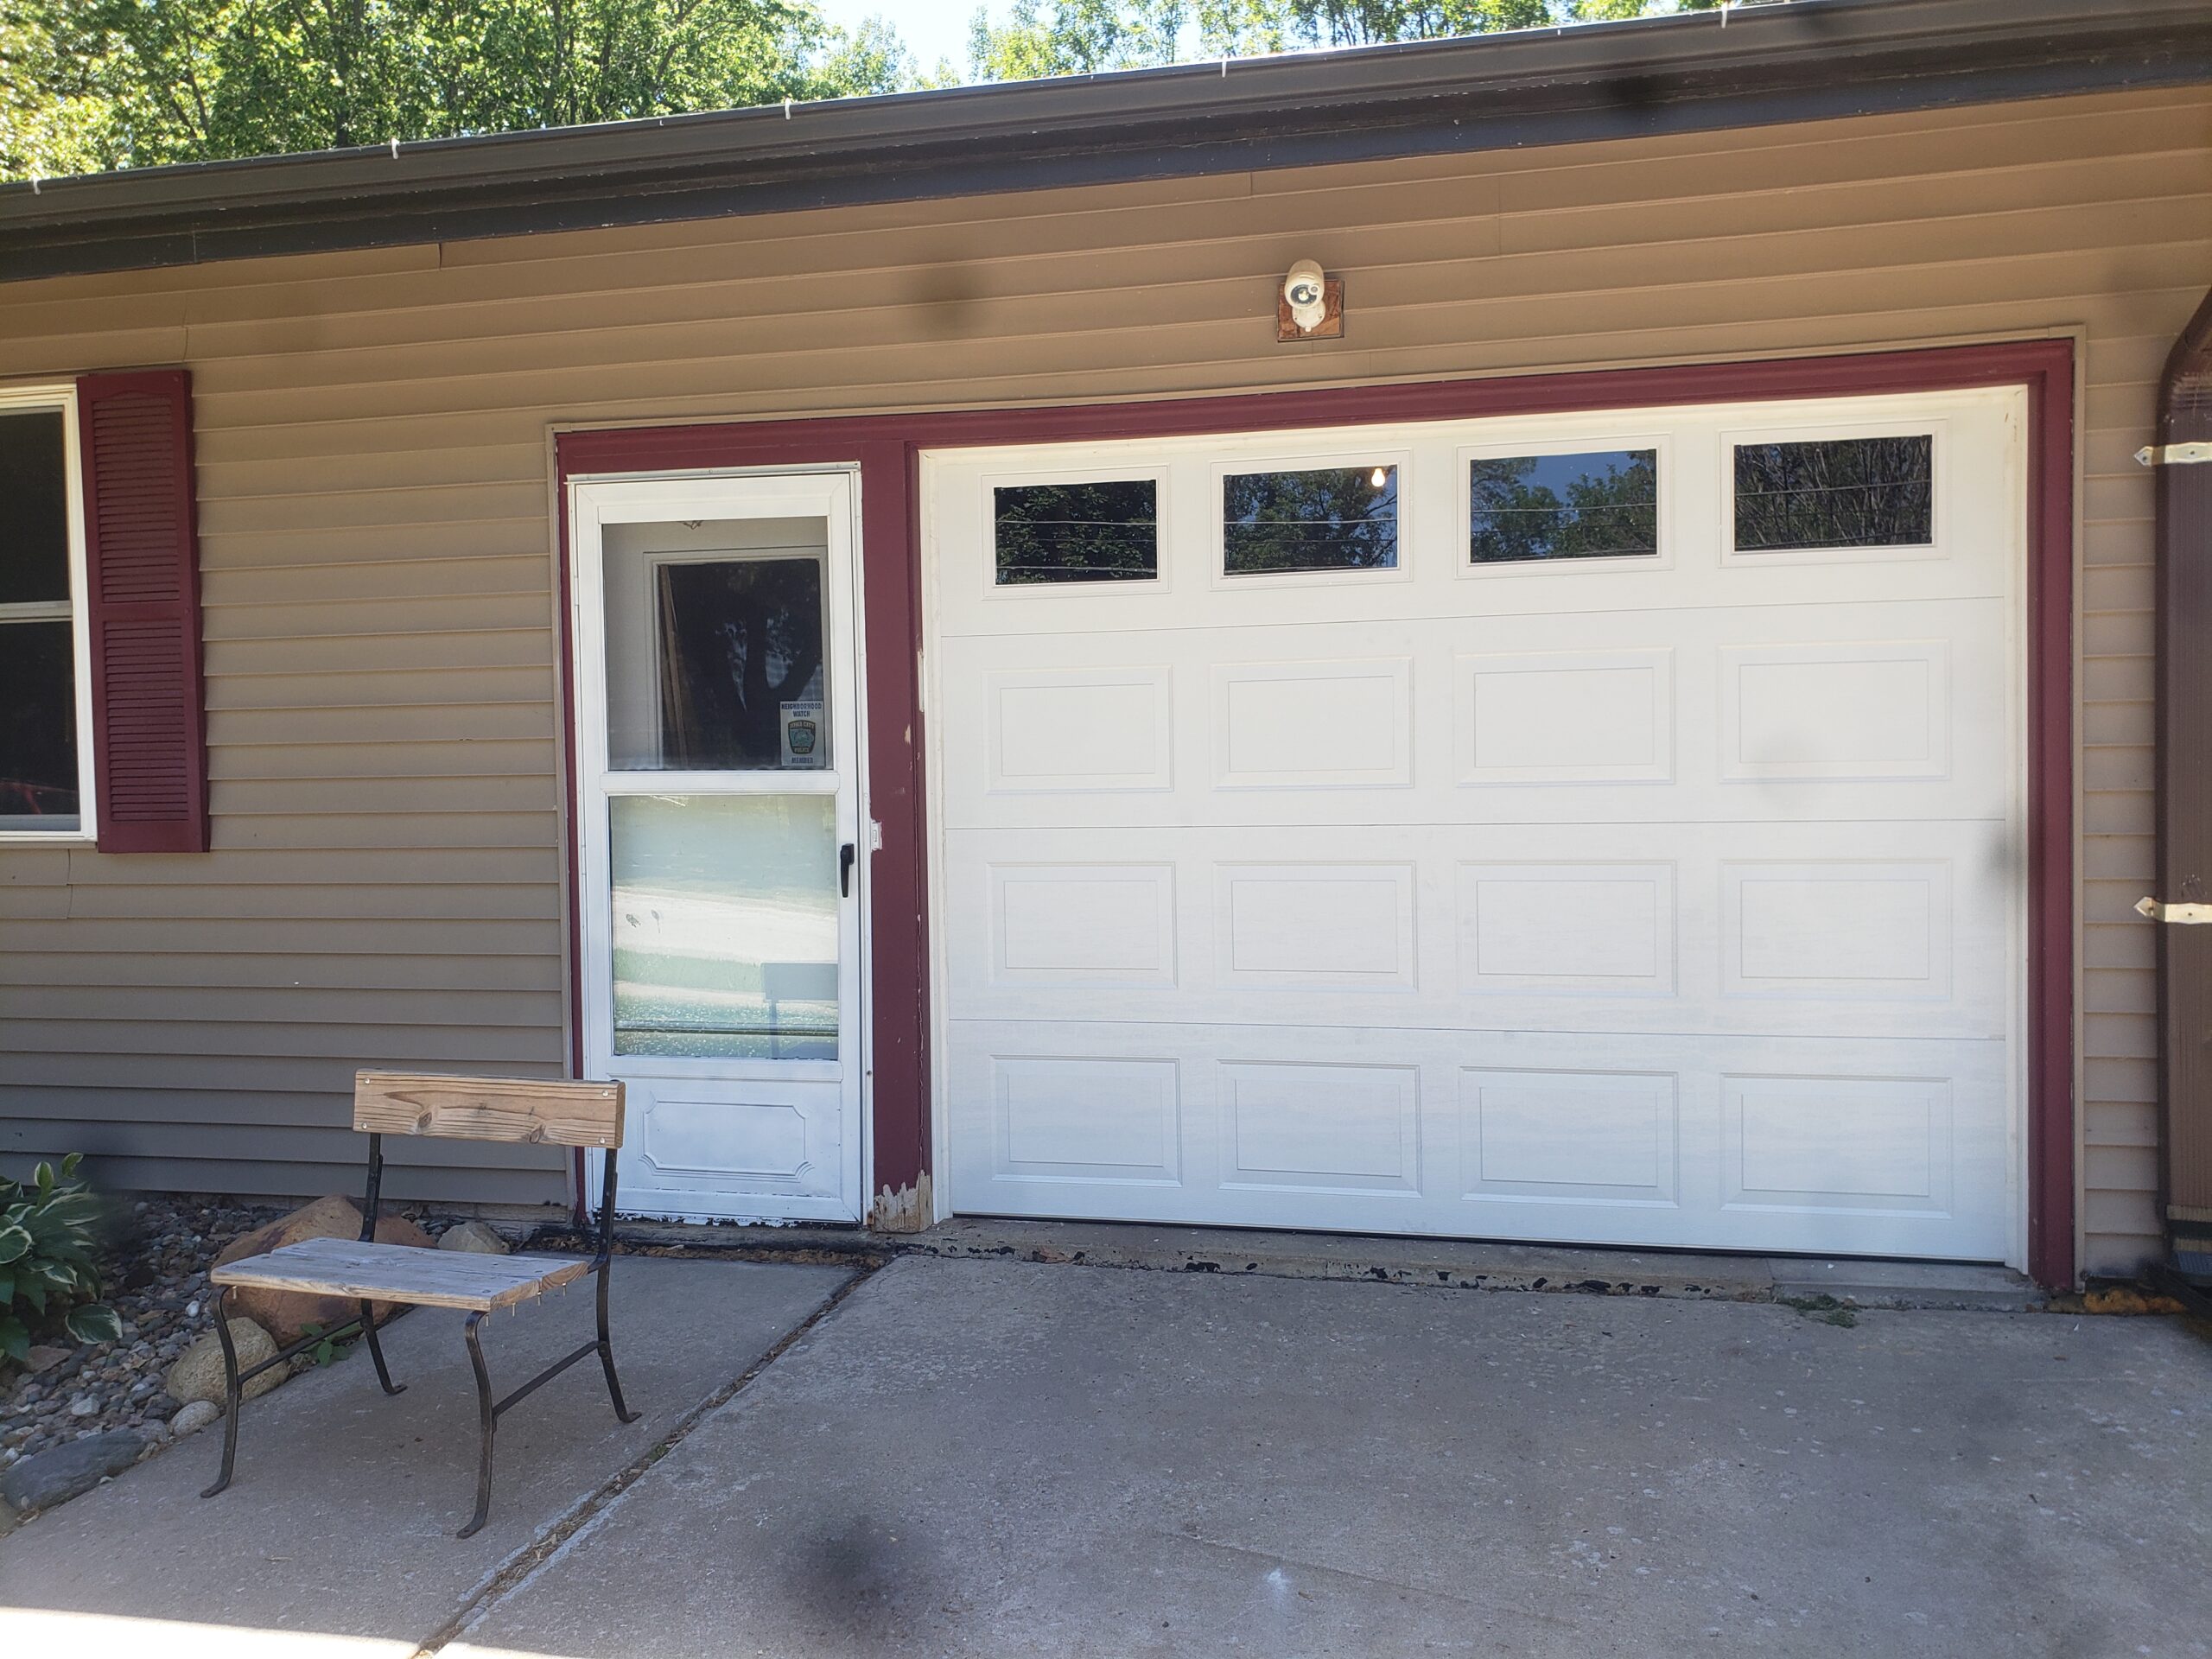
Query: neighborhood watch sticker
[805,741]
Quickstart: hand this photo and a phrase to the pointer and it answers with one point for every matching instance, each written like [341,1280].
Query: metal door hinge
[2180,915]
[2172,454]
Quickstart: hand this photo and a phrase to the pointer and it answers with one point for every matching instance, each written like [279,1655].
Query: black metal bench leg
[376,1349]
[229,1392]
[606,1357]
[489,1422]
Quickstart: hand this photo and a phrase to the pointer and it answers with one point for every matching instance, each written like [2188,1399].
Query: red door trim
[886,449]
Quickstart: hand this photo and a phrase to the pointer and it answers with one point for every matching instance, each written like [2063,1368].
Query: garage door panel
[1761,1144]
[1668,896]
[1767,715]
[1314,927]
[1886,929]
[1977,510]
[1586,1137]
[1573,717]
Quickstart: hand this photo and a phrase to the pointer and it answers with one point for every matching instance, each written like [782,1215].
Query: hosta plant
[48,1228]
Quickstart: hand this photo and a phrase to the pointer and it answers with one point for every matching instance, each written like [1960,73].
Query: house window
[45,692]
[1598,504]
[1835,492]
[1329,518]
[1103,531]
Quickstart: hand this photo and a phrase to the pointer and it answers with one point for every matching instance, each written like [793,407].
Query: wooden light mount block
[1331,326]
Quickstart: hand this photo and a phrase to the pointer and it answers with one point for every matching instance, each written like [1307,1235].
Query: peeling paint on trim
[902,1209]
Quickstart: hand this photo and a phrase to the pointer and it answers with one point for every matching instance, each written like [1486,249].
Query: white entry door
[1597,827]
[717,834]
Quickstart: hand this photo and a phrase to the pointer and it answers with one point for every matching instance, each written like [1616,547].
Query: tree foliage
[128,83]
[87,85]
[1059,37]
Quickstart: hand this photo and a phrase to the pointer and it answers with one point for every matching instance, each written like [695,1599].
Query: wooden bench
[366,1272]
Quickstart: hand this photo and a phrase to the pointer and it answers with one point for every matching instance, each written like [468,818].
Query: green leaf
[15,1243]
[7,1289]
[72,1207]
[42,1178]
[54,1276]
[14,1340]
[69,1164]
[94,1322]
[31,1291]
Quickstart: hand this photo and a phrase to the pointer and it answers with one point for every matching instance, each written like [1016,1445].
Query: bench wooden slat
[532,1110]
[403,1273]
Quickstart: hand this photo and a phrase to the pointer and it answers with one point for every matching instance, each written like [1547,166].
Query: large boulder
[198,1373]
[64,1471]
[286,1314]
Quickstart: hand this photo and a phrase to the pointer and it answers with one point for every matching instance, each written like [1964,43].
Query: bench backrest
[488,1108]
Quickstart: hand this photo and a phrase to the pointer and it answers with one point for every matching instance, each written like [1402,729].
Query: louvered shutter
[141,562]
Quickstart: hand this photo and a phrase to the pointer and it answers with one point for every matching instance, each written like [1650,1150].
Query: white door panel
[1666,898]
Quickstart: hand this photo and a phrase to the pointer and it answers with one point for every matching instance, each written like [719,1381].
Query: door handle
[845,856]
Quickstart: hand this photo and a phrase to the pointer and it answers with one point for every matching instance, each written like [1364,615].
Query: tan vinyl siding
[372,443]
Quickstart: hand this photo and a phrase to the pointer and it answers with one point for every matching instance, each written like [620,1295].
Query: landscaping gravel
[156,1276]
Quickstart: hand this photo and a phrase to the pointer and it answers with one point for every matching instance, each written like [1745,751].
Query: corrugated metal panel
[377,569]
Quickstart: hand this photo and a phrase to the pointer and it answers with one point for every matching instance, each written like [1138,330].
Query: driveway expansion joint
[524,1564]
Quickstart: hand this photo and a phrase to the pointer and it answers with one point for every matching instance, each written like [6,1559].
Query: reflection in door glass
[1330,519]
[1835,492]
[1103,531]
[1596,505]
[725,925]
[715,653]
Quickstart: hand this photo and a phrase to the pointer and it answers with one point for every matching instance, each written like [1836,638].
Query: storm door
[718,837]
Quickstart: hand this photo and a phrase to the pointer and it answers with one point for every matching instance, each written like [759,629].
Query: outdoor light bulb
[1305,291]
[1381,477]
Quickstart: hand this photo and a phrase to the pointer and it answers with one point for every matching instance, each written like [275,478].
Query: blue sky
[934,28]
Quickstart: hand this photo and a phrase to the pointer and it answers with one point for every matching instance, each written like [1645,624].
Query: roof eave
[1813,60]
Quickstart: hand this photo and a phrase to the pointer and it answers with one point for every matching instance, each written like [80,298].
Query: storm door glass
[724,878]
[716,657]
[725,925]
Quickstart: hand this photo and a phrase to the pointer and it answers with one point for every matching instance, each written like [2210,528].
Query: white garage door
[1600,829]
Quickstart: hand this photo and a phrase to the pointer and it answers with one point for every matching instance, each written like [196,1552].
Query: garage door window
[1835,492]
[1106,530]
[1328,519]
[1596,504]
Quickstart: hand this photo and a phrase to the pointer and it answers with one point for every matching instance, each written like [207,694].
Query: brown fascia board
[1809,59]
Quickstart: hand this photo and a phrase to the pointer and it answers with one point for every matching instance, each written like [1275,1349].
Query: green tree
[1075,37]
[121,83]
[87,84]
[1059,37]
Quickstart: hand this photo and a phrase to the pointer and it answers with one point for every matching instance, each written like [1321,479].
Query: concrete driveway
[971,1458]
[987,1458]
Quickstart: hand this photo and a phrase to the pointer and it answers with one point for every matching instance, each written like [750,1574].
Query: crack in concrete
[541,1552]
[1324,1572]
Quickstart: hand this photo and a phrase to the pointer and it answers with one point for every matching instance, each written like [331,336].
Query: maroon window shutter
[142,566]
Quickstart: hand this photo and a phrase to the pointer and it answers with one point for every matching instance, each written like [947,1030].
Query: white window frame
[63,398]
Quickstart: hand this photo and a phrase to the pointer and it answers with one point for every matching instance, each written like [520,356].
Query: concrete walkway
[973,1457]
[337,1536]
